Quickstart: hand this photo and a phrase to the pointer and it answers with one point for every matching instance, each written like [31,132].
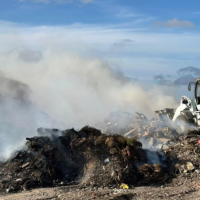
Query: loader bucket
[165,115]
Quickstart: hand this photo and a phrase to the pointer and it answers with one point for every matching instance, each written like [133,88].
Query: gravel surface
[185,190]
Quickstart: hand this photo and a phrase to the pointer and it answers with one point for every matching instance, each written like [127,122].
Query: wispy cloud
[189,70]
[121,12]
[71,1]
[57,1]
[174,23]
[149,50]
[126,13]
[159,77]
[120,45]
[86,1]
[42,1]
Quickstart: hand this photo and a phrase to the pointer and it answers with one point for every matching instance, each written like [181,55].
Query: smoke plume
[41,87]
[79,90]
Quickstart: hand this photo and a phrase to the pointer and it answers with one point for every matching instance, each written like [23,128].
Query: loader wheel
[182,124]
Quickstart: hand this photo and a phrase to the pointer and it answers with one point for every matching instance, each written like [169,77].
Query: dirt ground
[185,190]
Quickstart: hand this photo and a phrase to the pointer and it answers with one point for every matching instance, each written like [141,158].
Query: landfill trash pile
[45,161]
[184,155]
[153,173]
[85,157]
[180,148]
[90,158]
[155,131]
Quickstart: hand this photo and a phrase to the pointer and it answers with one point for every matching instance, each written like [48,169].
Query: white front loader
[189,108]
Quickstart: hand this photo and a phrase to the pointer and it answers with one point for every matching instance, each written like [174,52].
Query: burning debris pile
[155,131]
[90,158]
[184,155]
[87,157]
[44,161]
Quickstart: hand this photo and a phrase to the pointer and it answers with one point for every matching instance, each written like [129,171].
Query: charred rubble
[154,132]
[86,157]
[108,158]
[184,155]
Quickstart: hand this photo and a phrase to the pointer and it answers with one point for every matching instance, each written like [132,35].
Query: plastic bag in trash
[107,160]
[124,186]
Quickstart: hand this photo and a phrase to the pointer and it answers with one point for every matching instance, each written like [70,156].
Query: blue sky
[64,47]
[140,37]
[98,12]
[64,12]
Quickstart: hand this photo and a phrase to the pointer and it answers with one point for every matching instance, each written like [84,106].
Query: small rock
[190,166]
[165,147]
[159,146]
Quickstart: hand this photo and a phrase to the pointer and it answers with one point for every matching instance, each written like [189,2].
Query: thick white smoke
[78,90]
[73,89]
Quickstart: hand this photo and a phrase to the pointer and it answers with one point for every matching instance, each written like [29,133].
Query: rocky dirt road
[186,190]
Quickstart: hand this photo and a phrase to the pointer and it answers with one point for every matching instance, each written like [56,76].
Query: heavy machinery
[188,111]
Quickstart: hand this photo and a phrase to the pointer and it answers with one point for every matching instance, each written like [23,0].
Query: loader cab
[196,101]
[197,93]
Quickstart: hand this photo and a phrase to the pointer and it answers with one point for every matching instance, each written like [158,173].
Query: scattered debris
[87,157]
[25,165]
[190,166]
[107,160]
[153,173]
[154,131]
[183,153]
[91,158]
[124,186]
